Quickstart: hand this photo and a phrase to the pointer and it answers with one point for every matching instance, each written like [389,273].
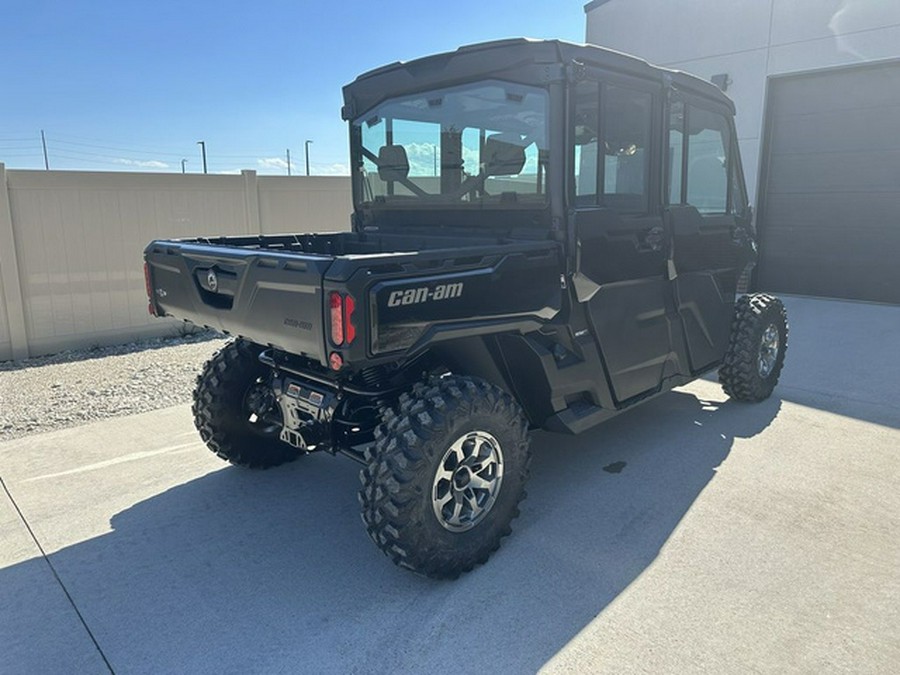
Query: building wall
[749,40]
[71,243]
[304,204]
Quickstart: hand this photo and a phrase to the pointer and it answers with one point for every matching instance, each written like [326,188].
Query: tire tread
[223,377]
[391,490]
[738,373]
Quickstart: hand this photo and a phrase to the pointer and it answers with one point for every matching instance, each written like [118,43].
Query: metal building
[817,89]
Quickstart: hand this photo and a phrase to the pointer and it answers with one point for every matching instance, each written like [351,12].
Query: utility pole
[44,144]
[289,161]
[306,147]
[202,145]
[434,149]
[183,162]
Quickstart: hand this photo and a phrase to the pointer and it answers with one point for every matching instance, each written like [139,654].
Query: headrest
[393,163]
[504,155]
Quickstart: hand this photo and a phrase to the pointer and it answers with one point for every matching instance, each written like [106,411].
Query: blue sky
[134,84]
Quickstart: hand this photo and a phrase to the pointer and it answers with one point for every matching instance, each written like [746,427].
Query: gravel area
[75,387]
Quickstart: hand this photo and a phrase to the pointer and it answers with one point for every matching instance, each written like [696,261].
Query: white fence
[71,243]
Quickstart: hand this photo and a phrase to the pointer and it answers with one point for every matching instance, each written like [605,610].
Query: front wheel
[445,477]
[755,355]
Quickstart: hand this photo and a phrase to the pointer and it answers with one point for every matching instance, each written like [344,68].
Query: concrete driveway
[736,538]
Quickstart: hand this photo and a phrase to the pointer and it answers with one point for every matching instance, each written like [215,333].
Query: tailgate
[268,297]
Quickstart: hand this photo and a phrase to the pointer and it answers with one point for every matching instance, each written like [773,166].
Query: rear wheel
[446,475]
[235,410]
[755,355]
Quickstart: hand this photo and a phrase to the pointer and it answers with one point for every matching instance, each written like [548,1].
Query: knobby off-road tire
[755,355]
[222,409]
[450,434]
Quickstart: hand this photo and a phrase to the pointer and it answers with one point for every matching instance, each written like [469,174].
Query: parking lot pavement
[736,537]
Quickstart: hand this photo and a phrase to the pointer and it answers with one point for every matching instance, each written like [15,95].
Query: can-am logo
[412,296]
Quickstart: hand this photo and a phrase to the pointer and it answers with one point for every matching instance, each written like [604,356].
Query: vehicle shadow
[242,571]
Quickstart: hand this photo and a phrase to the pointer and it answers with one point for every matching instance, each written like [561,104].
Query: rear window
[475,144]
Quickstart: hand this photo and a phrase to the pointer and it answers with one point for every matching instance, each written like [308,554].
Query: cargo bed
[271,288]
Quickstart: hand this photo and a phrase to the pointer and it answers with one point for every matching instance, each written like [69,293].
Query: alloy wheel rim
[768,350]
[467,481]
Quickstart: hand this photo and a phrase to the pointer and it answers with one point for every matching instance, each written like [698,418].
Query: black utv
[544,234]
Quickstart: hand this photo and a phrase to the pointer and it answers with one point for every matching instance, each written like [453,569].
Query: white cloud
[279,164]
[336,169]
[422,159]
[150,164]
[274,163]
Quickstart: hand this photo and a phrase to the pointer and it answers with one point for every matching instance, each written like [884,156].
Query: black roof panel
[520,59]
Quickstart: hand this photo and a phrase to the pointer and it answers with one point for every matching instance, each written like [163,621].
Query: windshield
[471,145]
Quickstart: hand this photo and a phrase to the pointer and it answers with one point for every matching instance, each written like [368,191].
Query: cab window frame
[733,169]
[602,83]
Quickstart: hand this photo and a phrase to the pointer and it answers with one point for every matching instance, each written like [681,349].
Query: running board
[578,417]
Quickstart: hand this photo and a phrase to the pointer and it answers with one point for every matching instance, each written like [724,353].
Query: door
[830,194]
[621,255]
[707,219]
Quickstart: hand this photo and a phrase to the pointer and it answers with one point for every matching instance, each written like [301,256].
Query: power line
[83,140]
[135,148]
[56,141]
[131,156]
[113,162]
[83,159]
[111,145]
[92,154]
[117,149]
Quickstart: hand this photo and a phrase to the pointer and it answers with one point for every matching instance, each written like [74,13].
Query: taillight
[336,304]
[151,307]
[349,328]
[341,308]
[147,279]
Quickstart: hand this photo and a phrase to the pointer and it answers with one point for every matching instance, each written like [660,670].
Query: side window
[612,146]
[709,142]
[626,117]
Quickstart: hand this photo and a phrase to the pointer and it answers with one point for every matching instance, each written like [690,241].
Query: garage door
[830,207]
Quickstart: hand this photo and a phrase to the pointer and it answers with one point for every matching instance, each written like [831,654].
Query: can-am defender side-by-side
[544,235]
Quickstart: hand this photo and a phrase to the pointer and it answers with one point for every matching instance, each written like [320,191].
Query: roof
[594,4]
[524,60]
